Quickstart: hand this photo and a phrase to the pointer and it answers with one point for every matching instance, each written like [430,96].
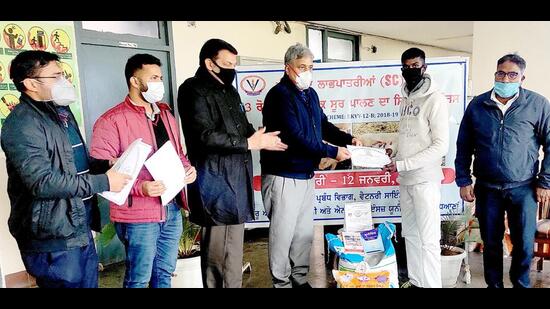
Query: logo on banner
[253,85]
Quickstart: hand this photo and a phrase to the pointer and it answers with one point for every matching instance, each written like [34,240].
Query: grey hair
[514,58]
[297,51]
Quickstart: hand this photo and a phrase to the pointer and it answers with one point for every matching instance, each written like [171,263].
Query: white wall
[388,49]
[492,40]
[250,38]
[257,39]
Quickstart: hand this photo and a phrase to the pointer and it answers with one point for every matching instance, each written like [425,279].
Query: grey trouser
[289,206]
[222,256]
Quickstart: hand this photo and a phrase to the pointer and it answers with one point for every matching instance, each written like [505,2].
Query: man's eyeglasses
[304,68]
[56,77]
[502,74]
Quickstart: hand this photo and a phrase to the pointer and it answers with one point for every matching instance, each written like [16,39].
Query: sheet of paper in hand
[130,163]
[368,157]
[165,165]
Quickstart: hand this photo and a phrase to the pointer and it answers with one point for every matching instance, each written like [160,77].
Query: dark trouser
[222,256]
[521,207]
[74,268]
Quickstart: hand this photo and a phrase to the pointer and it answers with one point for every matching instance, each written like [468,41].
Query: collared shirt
[156,110]
[161,135]
[503,107]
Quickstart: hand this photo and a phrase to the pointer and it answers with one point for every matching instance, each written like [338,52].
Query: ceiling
[454,35]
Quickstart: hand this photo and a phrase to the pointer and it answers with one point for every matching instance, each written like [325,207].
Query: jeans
[73,268]
[521,208]
[151,250]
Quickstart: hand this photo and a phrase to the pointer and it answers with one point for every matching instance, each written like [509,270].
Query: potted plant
[454,230]
[188,267]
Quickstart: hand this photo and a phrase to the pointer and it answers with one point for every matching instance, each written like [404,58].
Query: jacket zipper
[501,127]
[67,139]
[309,108]
[500,136]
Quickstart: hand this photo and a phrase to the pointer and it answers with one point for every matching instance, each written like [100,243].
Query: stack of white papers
[130,163]
[165,165]
[368,157]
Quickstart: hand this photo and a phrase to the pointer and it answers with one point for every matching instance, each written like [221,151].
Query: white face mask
[154,93]
[63,92]
[304,80]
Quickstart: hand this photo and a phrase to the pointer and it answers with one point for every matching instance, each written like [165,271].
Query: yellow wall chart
[18,36]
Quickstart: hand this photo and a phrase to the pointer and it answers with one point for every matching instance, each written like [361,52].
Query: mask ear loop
[219,67]
[298,74]
[40,82]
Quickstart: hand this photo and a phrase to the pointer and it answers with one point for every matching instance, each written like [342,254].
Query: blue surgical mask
[506,90]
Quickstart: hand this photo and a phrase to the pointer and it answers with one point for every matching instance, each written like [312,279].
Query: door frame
[164,43]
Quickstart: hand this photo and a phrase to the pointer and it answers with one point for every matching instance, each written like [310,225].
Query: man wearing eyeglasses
[52,180]
[423,141]
[292,107]
[504,129]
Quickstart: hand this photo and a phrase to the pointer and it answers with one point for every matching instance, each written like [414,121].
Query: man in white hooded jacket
[423,141]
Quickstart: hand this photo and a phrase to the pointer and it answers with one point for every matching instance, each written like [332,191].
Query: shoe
[409,285]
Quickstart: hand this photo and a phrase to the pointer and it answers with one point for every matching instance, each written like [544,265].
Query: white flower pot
[450,267]
[188,273]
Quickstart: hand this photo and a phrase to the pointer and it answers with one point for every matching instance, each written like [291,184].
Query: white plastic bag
[377,262]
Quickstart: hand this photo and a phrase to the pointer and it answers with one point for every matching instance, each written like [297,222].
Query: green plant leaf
[188,244]
[107,235]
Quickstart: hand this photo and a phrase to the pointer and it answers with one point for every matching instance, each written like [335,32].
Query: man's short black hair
[212,47]
[514,58]
[412,53]
[26,64]
[136,62]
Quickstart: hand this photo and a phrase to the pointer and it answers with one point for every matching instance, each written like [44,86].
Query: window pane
[315,43]
[339,49]
[140,28]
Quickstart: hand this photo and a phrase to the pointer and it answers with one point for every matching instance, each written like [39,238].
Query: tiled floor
[255,252]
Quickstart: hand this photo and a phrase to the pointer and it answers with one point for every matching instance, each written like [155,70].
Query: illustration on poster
[67,71]
[31,35]
[14,36]
[37,38]
[60,41]
[1,72]
[7,104]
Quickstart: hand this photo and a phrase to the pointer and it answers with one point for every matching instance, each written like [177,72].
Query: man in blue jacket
[292,108]
[504,129]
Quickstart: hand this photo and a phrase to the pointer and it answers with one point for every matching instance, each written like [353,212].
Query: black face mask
[226,75]
[412,77]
